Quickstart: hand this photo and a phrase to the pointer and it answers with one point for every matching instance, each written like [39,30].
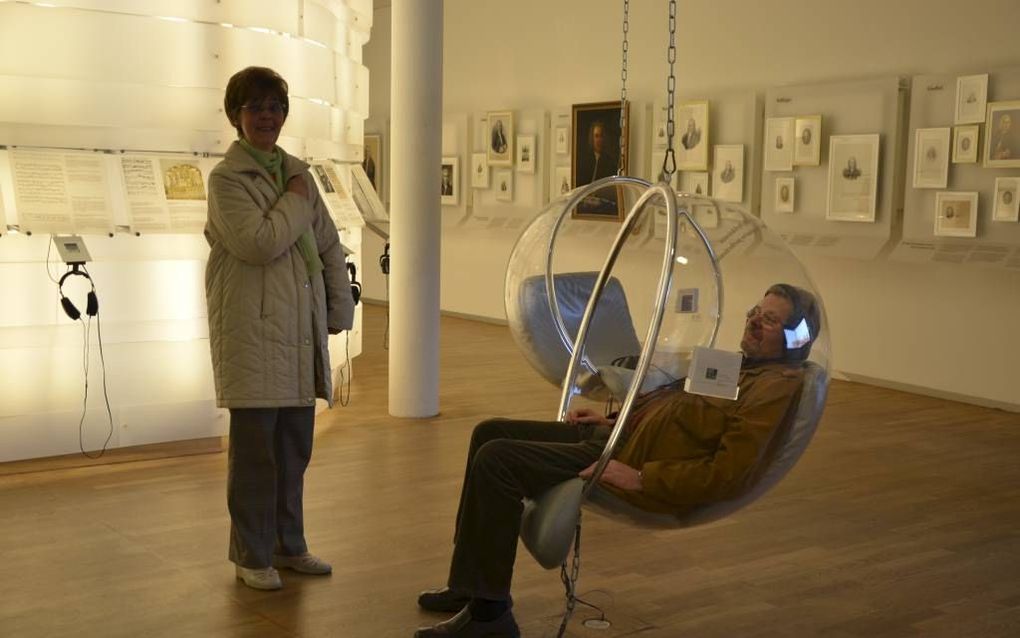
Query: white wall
[943,329]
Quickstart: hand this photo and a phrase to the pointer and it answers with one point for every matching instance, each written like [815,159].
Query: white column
[416,112]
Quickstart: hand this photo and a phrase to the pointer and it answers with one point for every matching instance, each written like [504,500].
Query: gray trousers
[508,461]
[269,451]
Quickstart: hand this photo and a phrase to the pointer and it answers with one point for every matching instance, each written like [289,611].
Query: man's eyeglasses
[767,318]
[275,107]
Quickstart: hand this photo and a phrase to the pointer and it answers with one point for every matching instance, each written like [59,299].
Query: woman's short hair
[251,85]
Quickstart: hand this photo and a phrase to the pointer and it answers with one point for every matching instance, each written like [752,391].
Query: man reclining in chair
[681,450]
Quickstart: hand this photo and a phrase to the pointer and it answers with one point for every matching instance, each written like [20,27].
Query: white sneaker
[266,578]
[305,563]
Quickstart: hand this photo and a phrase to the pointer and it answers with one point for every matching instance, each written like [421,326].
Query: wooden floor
[902,519]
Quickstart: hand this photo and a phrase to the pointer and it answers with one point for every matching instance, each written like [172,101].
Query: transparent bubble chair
[682,272]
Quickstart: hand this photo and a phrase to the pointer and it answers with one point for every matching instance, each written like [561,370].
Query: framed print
[451,182]
[596,139]
[971,99]
[659,138]
[479,171]
[728,173]
[807,142]
[500,151]
[778,143]
[931,157]
[965,144]
[853,178]
[562,141]
[785,194]
[695,183]
[526,154]
[1007,196]
[561,181]
[1002,137]
[372,162]
[956,214]
[692,135]
[504,184]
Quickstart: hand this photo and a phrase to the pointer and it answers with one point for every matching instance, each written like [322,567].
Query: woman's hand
[583,416]
[616,474]
[299,185]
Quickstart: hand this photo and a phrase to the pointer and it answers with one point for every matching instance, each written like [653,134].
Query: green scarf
[273,163]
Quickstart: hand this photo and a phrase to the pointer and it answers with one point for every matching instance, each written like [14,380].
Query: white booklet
[714,373]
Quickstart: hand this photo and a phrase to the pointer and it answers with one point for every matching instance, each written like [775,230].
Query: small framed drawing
[562,141]
[807,144]
[561,180]
[479,171]
[728,173]
[526,155]
[1007,198]
[779,143]
[931,157]
[784,194]
[1002,135]
[451,182]
[965,144]
[971,98]
[504,184]
[853,178]
[500,151]
[373,161]
[956,214]
[659,137]
[692,120]
[694,183]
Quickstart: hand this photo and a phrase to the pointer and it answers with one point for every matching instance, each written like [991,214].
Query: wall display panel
[874,107]
[735,118]
[165,193]
[995,242]
[337,27]
[336,194]
[61,191]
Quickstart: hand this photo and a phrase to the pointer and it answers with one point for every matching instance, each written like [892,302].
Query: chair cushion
[548,523]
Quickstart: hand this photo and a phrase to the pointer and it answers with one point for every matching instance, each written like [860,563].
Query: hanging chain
[623,90]
[570,580]
[669,161]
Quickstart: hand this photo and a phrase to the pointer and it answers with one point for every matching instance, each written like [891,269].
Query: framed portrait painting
[778,143]
[526,155]
[372,161]
[1002,135]
[956,214]
[807,142]
[785,194]
[449,193]
[965,144]
[503,180]
[1007,198]
[971,99]
[728,173]
[692,136]
[596,138]
[853,178]
[479,171]
[500,140]
[931,157]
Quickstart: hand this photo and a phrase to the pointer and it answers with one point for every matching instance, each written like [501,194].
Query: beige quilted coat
[268,323]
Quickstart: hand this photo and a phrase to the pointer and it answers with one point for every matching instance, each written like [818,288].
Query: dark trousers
[269,451]
[508,461]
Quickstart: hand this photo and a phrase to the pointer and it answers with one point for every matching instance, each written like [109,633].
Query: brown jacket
[268,321]
[694,449]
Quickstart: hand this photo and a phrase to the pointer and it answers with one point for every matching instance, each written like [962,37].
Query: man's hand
[581,416]
[616,474]
[297,184]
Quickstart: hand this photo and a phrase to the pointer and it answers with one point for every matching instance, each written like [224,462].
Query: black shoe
[444,599]
[463,626]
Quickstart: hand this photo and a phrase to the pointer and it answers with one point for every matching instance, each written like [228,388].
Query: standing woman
[276,285]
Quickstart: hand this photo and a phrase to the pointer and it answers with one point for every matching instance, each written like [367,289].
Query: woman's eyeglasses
[275,107]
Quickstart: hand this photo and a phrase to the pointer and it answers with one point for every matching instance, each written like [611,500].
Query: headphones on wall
[91,304]
[352,270]
[384,259]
